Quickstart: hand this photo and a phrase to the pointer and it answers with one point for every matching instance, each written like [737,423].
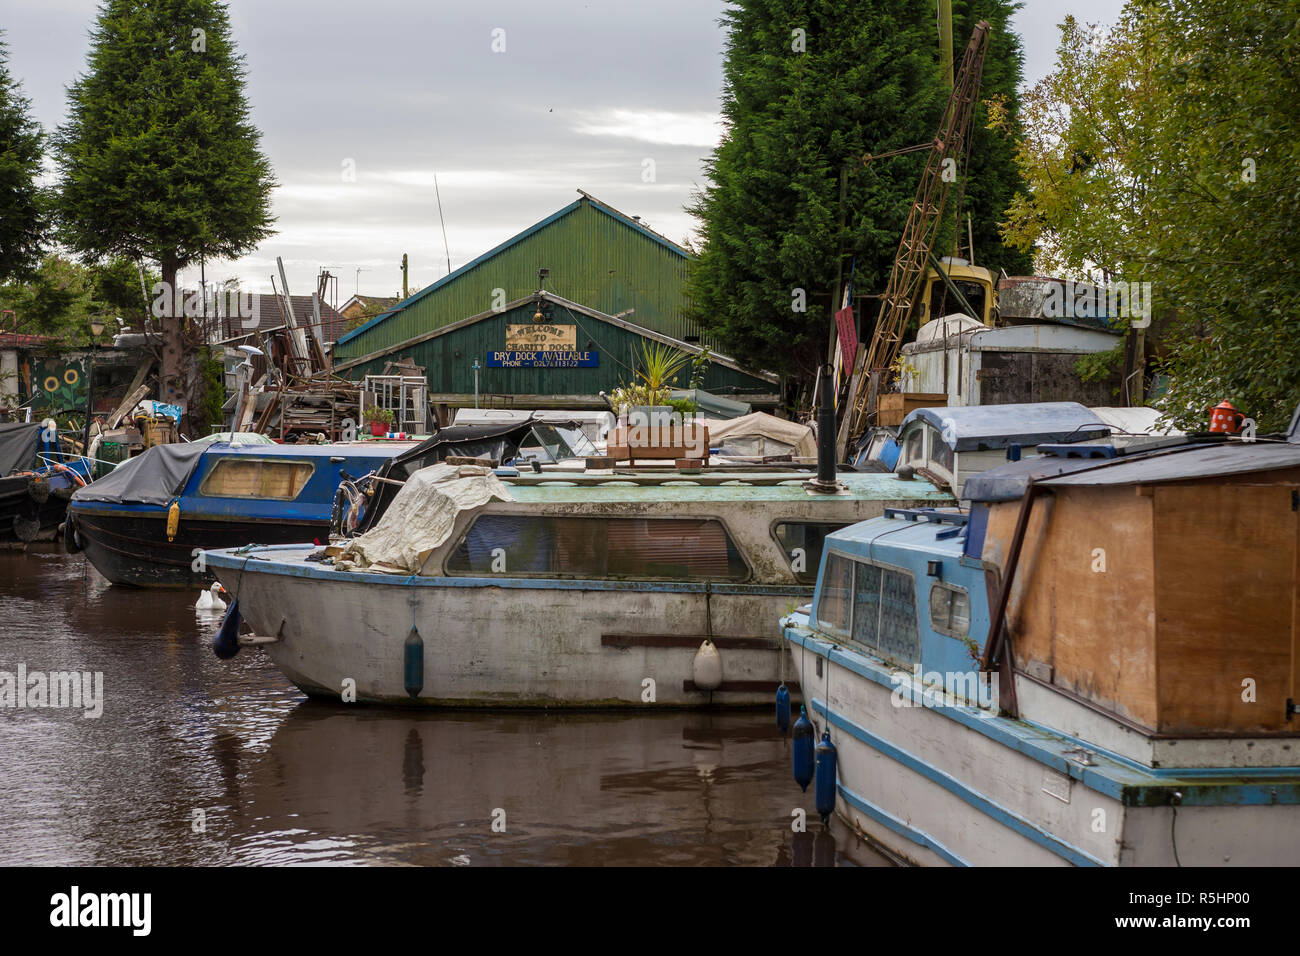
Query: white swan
[209,601]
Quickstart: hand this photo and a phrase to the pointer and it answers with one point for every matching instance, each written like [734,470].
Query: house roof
[332,322]
[564,304]
[584,198]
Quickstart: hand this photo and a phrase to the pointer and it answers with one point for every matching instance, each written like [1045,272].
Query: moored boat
[37,479]
[146,522]
[555,590]
[1095,665]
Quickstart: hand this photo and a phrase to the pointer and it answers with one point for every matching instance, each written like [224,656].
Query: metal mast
[948,153]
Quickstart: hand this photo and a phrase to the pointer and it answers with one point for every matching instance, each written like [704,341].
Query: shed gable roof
[584,199]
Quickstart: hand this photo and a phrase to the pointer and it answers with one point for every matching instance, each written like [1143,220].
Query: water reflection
[199,761]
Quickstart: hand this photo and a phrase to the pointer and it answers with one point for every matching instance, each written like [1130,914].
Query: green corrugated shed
[595,255]
[448,355]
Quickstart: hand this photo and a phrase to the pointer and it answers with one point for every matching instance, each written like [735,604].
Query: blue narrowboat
[145,523]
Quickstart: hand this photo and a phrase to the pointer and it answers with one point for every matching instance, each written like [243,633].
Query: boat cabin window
[875,606]
[675,549]
[554,443]
[949,610]
[802,543]
[914,448]
[256,478]
[833,604]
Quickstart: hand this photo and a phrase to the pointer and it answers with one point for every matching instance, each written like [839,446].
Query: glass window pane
[808,538]
[899,640]
[866,605]
[960,614]
[940,608]
[836,592]
[914,447]
[638,548]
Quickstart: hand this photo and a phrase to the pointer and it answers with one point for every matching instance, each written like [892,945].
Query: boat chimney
[825,482]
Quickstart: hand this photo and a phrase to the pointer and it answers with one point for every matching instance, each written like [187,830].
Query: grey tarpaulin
[18,446]
[152,478]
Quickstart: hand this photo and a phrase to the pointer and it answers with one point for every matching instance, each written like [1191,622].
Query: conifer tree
[810,86]
[23,209]
[159,159]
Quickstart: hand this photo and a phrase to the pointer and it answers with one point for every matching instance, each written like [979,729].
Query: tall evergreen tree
[159,159]
[23,209]
[863,76]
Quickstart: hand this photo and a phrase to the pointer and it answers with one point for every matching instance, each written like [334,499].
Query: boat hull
[23,518]
[130,548]
[510,643]
[933,786]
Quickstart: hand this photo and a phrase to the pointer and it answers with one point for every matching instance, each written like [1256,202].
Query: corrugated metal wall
[448,361]
[594,258]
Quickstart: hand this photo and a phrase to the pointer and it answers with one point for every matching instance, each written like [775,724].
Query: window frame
[460,537]
[217,465]
[951,589]
[815,568]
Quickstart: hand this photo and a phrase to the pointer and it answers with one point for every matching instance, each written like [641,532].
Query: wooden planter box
[893,407]
[667,442]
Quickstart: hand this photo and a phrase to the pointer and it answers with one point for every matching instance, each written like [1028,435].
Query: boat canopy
[712,406]
[762,434]
[18,446]
[988,427]
[421,517]
[154,477]
[495,440]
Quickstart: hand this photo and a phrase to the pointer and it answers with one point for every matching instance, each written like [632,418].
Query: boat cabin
[948,445]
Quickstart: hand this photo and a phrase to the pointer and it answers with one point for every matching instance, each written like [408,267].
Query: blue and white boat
[1094,665]
[145,523]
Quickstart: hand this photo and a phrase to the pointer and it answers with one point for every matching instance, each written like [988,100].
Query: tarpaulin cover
[799,438]
[18,446]
[152,478]
[421,517]
[497,440]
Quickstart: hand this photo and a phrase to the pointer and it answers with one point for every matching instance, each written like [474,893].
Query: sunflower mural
[59,384]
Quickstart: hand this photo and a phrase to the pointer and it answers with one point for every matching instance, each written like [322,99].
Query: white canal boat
[556,589]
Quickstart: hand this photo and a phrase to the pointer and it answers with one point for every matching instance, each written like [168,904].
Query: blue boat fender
[226,642]
[824,788]
[801,747]
[783,709]
[413,663]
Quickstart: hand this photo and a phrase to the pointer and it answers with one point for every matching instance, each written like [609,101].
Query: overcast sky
[581,96]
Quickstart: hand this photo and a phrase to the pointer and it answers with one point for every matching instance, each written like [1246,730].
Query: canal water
[196,761]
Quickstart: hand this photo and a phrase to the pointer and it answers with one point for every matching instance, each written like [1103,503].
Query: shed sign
[545,358]
[541,337]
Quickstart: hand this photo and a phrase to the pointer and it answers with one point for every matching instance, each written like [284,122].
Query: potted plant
[652,425]
[381,420]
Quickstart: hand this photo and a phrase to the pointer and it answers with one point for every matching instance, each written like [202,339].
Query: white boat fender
[707,667]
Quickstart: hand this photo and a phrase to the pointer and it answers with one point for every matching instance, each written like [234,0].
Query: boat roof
[931,531]
[561,487]
[987,427]
[349,449]
[1181,462]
